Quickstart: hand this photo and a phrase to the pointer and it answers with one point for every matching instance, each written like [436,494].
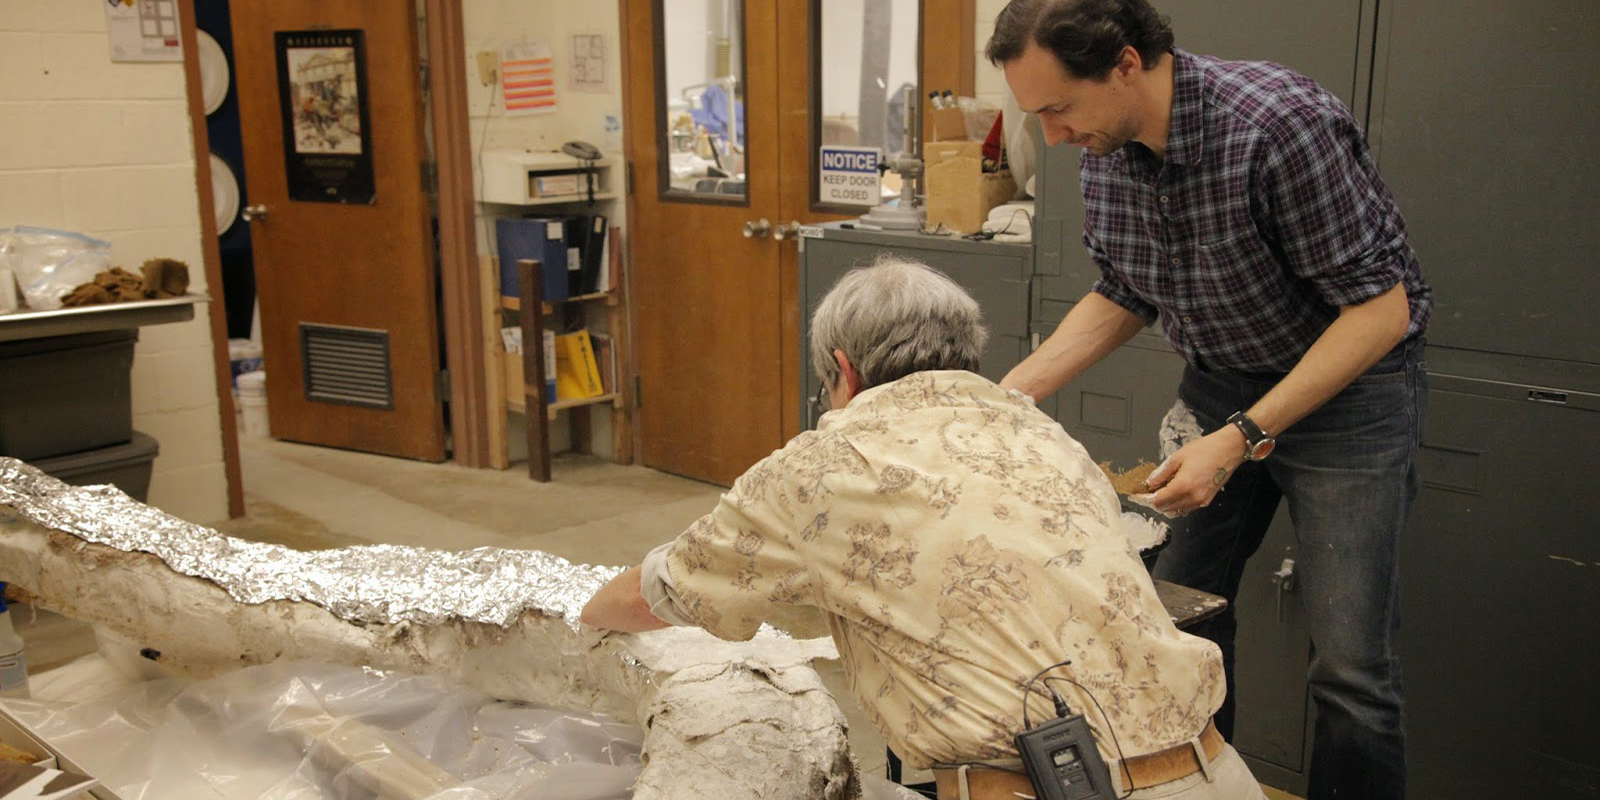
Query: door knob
[253,213]
[786,231]
[757,228]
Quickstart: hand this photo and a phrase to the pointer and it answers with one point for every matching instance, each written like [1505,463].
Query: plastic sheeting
[304,731]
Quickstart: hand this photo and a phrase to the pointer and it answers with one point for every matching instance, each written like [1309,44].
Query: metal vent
[347,365]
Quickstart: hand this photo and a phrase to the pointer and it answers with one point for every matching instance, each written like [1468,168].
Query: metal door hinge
[629,170]
[430,177]
[638,391]
[443,386]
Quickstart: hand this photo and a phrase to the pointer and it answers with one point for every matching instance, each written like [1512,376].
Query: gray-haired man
[959,543]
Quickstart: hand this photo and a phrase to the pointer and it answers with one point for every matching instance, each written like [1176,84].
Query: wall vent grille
[349,366]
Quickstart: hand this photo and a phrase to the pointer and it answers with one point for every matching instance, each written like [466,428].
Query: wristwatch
[1257,444]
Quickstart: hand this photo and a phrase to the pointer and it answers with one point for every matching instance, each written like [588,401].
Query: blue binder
[542,238]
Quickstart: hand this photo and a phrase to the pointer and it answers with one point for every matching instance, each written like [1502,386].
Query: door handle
[1284,579]
[757,228]
[786,231]
[253,213]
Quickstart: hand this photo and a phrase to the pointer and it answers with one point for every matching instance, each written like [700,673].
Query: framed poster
[327,141]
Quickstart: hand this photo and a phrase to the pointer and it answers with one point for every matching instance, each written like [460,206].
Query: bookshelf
[527,193]
[525,373]
[518,384]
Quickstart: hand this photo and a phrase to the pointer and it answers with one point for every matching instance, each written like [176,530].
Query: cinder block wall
[104,148]
[988,82]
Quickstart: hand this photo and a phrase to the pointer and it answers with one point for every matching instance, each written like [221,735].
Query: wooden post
[531,317]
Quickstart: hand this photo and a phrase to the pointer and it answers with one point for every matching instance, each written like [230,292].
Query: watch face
[1262,449]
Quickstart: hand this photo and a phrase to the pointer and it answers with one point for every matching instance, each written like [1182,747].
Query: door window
[701,107]
[867,84]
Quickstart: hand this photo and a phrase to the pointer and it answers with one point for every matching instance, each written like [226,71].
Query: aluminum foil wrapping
[368,584]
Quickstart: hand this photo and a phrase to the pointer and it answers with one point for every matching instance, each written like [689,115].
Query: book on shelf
[605,355]
[541,238]
[511,342]
[577,374]
[550,366]
[610,252]
[577,243]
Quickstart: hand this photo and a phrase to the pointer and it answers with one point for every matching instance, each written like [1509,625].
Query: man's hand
[1191,478]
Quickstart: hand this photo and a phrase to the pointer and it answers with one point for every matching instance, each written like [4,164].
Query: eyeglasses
[820,401]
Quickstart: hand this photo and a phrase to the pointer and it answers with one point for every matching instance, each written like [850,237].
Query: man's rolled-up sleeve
[1334,220]
[655,584]
[1111,286]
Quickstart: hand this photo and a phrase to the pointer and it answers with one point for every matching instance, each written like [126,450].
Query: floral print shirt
[958,542]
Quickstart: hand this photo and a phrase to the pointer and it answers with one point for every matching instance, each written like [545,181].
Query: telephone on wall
[581,150]
[588,153]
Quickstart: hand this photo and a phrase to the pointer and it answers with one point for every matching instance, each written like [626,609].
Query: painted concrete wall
[104,148]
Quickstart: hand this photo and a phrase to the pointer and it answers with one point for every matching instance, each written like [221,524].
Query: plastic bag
[307,731]
[50,263]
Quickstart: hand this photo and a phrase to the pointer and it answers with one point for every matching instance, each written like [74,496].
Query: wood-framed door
[717,312]
[347,290]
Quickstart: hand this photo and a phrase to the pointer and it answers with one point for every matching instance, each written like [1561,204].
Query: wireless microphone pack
[1063,762]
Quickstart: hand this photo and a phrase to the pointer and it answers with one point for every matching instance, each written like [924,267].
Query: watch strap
[1253,434]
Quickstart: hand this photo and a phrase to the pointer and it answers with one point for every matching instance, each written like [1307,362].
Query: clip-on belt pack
[1060,755]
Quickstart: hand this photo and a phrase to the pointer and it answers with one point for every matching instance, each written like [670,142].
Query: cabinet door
[1490,154]
[1499,573]
[1272,652]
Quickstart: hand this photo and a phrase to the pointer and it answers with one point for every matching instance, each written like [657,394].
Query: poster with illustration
[327,144]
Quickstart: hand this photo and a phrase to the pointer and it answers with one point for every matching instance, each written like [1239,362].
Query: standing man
[1237,203]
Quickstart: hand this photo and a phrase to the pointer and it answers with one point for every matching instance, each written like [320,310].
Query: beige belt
[1179,761]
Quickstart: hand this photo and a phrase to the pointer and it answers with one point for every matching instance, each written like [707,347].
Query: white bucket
[243,356]
[253,404]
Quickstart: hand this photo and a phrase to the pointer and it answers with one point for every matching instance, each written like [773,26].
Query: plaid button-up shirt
[1266,216]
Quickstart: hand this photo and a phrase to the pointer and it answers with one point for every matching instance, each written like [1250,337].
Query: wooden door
[707,299]
[347,288]
[718,312]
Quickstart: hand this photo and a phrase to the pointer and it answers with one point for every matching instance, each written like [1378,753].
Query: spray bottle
[13,667]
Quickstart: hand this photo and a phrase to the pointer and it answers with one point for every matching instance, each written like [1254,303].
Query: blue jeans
[1349,473]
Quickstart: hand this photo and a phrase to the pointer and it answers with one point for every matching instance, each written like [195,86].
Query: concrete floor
[594,512]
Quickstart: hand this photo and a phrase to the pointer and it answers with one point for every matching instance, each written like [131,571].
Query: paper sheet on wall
[527,79]
[143,30]
[588,69]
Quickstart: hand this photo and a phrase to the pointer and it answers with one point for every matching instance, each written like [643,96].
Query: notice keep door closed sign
[849,176]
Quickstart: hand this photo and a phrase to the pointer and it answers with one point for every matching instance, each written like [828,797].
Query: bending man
[958,543]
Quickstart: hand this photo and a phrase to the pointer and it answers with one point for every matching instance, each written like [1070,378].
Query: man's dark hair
[1087,36]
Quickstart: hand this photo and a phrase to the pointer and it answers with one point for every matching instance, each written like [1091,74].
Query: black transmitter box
[1063,762]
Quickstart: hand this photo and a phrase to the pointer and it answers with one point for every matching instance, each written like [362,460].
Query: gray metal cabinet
[1501,583]
[995,273]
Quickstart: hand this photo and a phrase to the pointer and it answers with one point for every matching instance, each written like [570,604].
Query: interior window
[866,51]
[703,131]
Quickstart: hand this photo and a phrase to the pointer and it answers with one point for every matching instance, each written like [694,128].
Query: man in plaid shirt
[1237,203]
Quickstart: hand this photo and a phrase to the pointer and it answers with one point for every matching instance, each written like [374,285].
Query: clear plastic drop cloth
[306,731]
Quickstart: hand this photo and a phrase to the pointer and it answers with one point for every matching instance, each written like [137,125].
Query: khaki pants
[1230,780]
